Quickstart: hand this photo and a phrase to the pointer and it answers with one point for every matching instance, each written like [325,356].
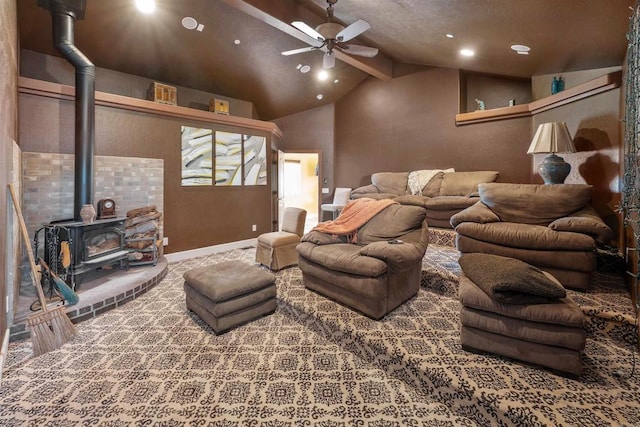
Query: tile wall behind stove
[47,180]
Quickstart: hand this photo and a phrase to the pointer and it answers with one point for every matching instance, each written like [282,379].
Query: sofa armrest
[399,257]
[585,221]
[479,213]
[363,191]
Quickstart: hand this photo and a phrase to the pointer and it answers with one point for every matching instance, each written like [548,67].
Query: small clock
[106,209]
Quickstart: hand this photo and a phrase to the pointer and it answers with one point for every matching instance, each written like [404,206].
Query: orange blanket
[354,215]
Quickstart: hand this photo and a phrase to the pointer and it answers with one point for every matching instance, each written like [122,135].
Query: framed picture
[228,167]
[255,160]
[197,159]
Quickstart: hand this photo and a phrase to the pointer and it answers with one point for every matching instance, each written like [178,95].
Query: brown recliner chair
[277,249]
[372,275]
[552,227]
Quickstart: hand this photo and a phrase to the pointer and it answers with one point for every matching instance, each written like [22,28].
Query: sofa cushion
[391,182]
[344,257]
[465,183]
[432,188]
[393,222]
[534,203]
[526,236]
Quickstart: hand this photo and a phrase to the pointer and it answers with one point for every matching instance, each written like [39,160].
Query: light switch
[325,190]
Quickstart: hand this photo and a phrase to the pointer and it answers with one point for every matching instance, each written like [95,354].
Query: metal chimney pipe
[64,14]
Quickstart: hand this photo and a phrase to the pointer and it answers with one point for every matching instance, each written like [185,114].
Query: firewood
[141,228]
[130,222]
[140,211]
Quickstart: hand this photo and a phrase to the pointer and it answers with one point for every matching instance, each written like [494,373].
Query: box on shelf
[219,106]
[162,93]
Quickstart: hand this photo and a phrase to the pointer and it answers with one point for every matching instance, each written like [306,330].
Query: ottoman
[230,293]
[550,334]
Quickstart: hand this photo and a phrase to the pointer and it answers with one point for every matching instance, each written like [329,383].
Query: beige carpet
[315,362]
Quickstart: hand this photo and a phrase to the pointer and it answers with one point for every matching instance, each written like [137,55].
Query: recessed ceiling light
[305,69]
[146,6]
[467,52]
[189,23]
[521,49]
[319,96]
[323,75]
[449,35]
[236,42]
[336,81]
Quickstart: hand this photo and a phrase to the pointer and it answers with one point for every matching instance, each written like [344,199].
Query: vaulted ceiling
[564,35]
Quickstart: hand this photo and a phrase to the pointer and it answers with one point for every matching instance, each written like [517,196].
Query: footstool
[550,334]
[230,293]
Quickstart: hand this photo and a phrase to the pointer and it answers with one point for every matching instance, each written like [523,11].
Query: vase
[87,213]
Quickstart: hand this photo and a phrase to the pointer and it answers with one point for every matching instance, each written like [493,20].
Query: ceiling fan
[332,36]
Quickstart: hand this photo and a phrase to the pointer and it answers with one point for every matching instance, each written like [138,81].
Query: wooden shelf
[58,91]
[593,87]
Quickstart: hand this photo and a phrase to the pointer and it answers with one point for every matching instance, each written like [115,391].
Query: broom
[52,328]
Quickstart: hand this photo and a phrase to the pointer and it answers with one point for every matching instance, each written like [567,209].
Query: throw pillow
[511,281]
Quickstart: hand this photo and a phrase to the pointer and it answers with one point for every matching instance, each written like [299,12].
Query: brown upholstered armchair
[370,275]
[552,227]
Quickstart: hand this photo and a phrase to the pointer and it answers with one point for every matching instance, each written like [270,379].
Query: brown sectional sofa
[552,227]
[446,194]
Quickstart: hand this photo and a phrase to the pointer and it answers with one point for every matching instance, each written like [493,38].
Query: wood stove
[92,245]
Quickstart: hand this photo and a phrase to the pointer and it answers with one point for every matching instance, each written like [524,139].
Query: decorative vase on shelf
[557,85]
[87,213]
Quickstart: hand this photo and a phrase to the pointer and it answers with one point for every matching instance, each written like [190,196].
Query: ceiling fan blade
[308,30]
[329,60]
[301,50]
[356,49]
[353,30]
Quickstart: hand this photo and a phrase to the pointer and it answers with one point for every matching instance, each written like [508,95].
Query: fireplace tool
[57,257]
[51,328]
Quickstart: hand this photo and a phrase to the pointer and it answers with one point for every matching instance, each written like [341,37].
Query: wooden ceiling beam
[279,14]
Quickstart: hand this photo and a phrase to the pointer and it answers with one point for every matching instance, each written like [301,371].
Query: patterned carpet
[316,363]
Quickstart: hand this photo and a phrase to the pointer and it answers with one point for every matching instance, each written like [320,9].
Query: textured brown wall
[494,91]
[8,134]
[408,123]
[194,217]
[312,130]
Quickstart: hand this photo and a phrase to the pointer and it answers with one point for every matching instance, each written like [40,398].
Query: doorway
[300,184]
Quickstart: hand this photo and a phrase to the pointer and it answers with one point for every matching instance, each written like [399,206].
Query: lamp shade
[552,138]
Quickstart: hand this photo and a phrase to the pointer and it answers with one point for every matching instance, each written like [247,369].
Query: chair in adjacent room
[340,199]
[277,249]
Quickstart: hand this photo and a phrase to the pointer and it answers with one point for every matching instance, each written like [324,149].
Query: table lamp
[552,138]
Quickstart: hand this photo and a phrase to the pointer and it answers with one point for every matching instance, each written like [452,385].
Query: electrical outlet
[165,241]
[253,227]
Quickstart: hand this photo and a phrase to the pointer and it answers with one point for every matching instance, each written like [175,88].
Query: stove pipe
[64,14]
